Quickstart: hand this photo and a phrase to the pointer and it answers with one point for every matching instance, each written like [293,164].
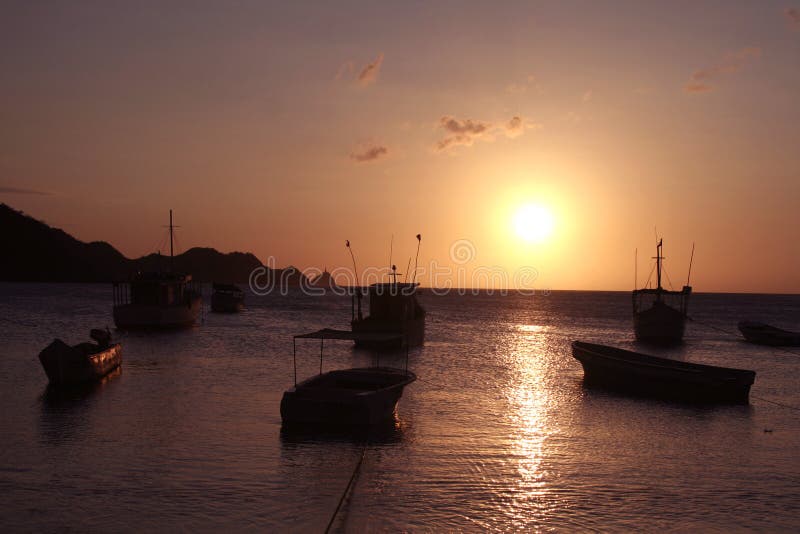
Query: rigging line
[776,403]
[347,489]
[650,276]
[731,333]
[669,281]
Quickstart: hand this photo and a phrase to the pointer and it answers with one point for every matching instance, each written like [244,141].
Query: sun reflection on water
[529,401]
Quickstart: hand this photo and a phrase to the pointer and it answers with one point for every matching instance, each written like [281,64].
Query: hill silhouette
[36,252]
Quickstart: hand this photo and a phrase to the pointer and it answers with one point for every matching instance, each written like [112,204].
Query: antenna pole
[691,259]
[391,246]
[416,260]
[635,268]
[171,261]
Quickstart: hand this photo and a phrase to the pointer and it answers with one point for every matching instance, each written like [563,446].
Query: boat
[84,362]
[764,334]
[652,376]
[226,298]
[659,315]
[393,309]
[362,396]
[159,299]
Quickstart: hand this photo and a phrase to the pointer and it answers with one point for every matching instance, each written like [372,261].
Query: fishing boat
[84,362]
[226,298]
[764,334]
[659,315]
[345,397]
[652,376]
[393,309]
[157,299]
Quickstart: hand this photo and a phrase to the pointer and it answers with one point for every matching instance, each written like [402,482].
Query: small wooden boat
[646,375]
[227,298]
[764,334]
[659,315]
[345,397]
[84,362]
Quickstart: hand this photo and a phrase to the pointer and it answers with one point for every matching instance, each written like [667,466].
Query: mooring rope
[347,489]
[730,333]
[777,403]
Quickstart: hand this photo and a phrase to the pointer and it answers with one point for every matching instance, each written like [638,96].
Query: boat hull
[411,330]
[645,375]
[659,325]
[135,316]
[86,362]
[350,397]
[764,334]
[226,303]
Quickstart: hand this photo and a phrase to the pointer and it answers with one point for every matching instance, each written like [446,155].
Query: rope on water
[730,333]
[777,403]
[347,489]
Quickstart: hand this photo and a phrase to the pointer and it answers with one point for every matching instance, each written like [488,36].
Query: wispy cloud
[467,131]
[369,153]
[700,82]
[369,74]
[518,88]
[587,96]
[345,70]
[793,16]
[461,132]
[21,191]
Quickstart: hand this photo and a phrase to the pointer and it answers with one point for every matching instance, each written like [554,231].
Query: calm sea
[497,434]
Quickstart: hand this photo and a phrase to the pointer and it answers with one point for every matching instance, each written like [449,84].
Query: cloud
[467,131]
[345,70]
[366,76]
[587,96]
[793,15]
[698,88]
[516,126]
[369,153]
[731,63]
[461,132]
[516,88]
[369,74]
[20,191]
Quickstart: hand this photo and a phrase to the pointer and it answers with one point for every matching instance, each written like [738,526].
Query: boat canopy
[329,333]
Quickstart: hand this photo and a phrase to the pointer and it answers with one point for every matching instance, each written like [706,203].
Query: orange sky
[284,130]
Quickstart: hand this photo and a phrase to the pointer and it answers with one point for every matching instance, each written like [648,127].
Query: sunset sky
[285,128]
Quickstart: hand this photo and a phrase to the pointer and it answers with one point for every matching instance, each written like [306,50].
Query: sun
[534,223]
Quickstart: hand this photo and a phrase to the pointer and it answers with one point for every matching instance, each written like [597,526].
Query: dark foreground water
[498,433]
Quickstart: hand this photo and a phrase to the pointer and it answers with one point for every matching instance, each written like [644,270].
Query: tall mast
[171,261]
[659,257]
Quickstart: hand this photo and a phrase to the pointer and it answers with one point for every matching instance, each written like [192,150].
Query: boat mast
[171,261]
[658,259]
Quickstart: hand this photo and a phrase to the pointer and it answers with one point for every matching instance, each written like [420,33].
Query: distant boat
[393,309]
[659,315]
[346,397]
[226,298]
[764,334]
[84,362]
[157,299]
[651,376]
